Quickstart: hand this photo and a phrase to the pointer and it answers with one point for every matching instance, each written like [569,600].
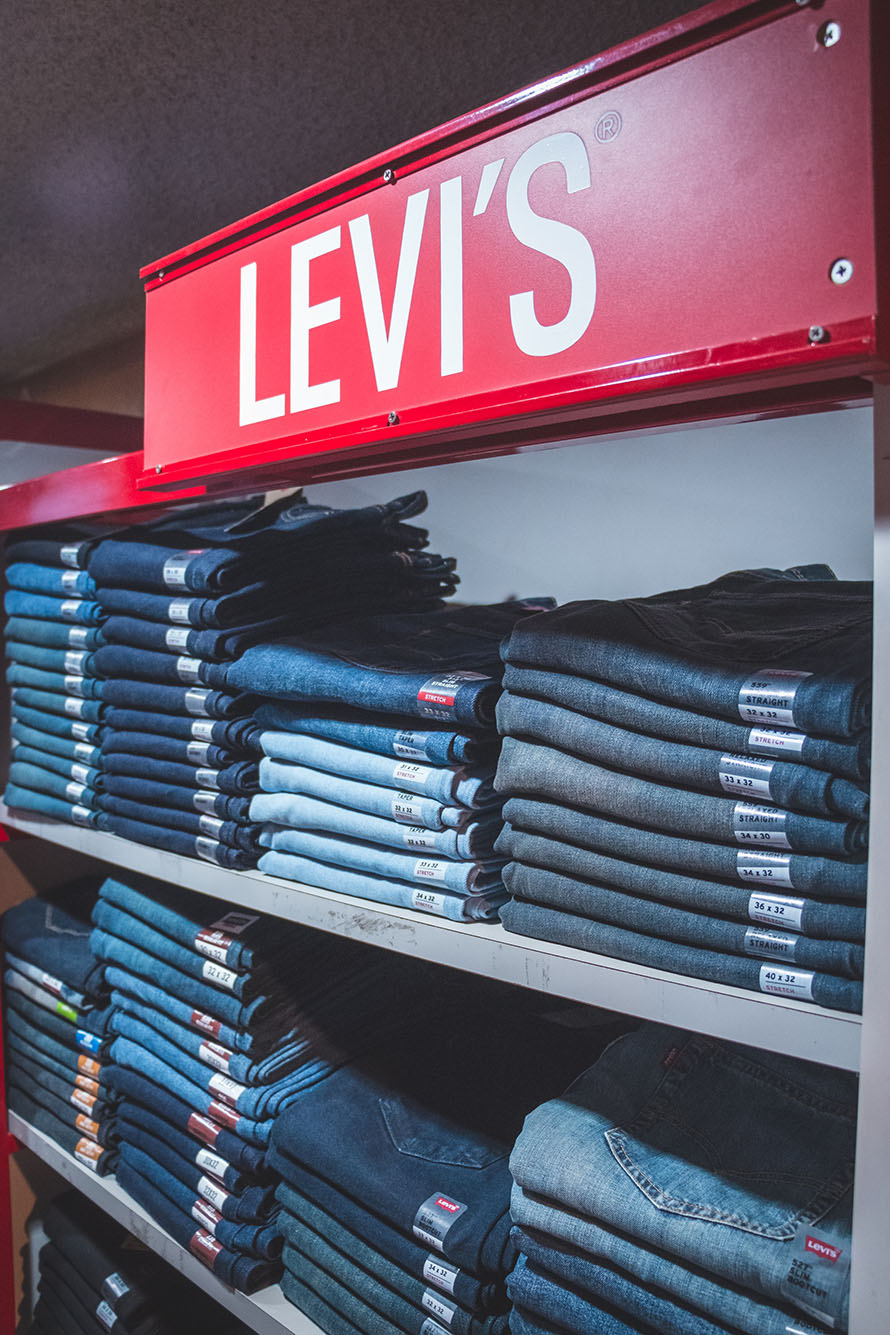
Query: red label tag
[228,1116]
[206,1023]
[430,697]
[824,1250]
[204,1213]
[203,1129]
[206,1248]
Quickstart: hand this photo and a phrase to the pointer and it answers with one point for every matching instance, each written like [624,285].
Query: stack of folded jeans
[222,1019]
[57,1025]
[379,751]
[396,1188]
[643,1203]
[52,633]
[187,594]
[93,1275]
[633,729]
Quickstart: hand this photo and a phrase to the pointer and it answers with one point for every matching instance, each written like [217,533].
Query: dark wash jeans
[697,648]
[176,841]
[66,1136]
[238,733]
[388,736]
[53,932]
[133,1120]
[183,797]
[215,645]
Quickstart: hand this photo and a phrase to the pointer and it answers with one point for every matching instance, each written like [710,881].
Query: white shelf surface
[775,1023]
[267,1312]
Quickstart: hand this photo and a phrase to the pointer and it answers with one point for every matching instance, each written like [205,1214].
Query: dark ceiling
[131,127]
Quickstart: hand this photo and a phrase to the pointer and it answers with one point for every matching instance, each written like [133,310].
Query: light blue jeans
[461,877]
[277,776]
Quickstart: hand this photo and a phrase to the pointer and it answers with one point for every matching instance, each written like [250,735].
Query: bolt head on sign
[841,272]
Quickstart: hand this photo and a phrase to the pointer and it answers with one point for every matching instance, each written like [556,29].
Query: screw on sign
[841,271]
[829,33]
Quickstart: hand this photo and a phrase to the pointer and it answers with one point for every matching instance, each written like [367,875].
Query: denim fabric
[461,877]
[787,785]
[176,841]
[357,1312]
[568,929]
[54,634]
[810,917]
[258,600]
[41,979]
[30,799]
[440,782]
[236,1269]
[67,1136]
[130,992]
[380,890]
[73,707]
[64,545]
[40,1064]
[131,564]
[80,1298]
[240,777]
[215,645]
[35,1039]
[68,769]
[633,1144]
[253,1205]
[670,925]
[305,1190]
[119,660]
[195,701]
[97,1247]
[536,1293]
[540,771]
[55,1026]
[39,1071]
[37,779]
[194,823]
[39,996]
[237,734]
[177,749]
[86,688]
[84,753]
[597,699]
[53,932]
[435,743]
[62,1108]
[57,724]
[134,1121]
[305,813]
[414,663]
[686,647]
[61,581]
[177,795]
[60,661]
[319,1312]
[278,777]
[136,1088]
[108,917]
[837,881]
[80,611]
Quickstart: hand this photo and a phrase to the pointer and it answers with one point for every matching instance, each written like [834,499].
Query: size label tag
[759,825]
[74,707]
[428,901]
[79,729]
[434,1218]
[745,776]
[81,815]
[787,982]
[772,867]
[178,611]
[205,1247]
[818,1274]
[212,826]
[87,1126]
[408,774]
[418,836]
[207,778]
[440,1307]
[75,791]
[81,773]
[772,741]
[410,745]
[436,697]
[202,730]
[774,945]
[85,751]
[212,1192]
[214,1055]
[92,1042]
[177,637]
[74,660]
[52,984]
[114,1286]
[106,1315]
[188,669]
[75,684]
[196,752]
[202,1128]
[77,636]
[211,1163]
[205,802]
[406,809]
[206,1023]
[205,1214]
[69,553]
[196,698]
[215,945]
[207,849]
[776,910]
[228,1090]
[88,1066]
[216,973]
[768,696]
[175,568]
[430,869]
[220,1112]
[69,580]
[440,1273]
[86,1083]
[431,1327]
[81,1099]
[69,608]
[88,1152]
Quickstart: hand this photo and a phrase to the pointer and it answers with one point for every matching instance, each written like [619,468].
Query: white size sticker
[745,776]
[436,697]
[418,836]
[211,1163]
[773,741]
[196,752]
[212,1192]
[178,611]
[54,985]
[207,778]
[75,791]
[114,1286]
[429,901]
[81,815]
[228,1090]
[215,973]
[430,869]
[80,773]
[406,809]
[780,910]
[753,824]
[196,700]
[106,1315]
[768,696]
[69,581]
[188,669]
[74,660]
[80,729]
[77,636]
[69,553]
[406,773]
[204,1214]
[177,637]
[70,607]
[440,1273]
[74,707]
[216,1056]
[786,982]
[773,945]
[440,1307]
[175,570]
[410,745]
[774,868]
[85,750]
[202,730]
[206,802]
[75,684]
[432,1327]
[212,826]
[208,849]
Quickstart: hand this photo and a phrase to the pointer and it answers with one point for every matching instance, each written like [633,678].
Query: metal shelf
[774,1023]
[267,1312]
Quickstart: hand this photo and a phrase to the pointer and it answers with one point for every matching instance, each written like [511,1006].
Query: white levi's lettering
[188,669]
[772,868]
[202,730]
[178,611]
[75,684]
[406,773]
[74,661]
[774,945]
[440,1273]
[440,1307]
[177,637]
[797,983]
[215,973]
[212,1192]
[106,1314]
[418,836]
[407,809]
[777,910]
[74,707]
[769,741]
[430,869]
[760,825]
[228,1090]
[196,700]
[429,901]
[768,696]
[69,608]
[211,1163]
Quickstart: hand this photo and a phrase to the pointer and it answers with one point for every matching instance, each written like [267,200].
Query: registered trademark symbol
[608,127]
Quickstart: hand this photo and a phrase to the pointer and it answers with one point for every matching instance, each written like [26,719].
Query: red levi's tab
[227,1116]
[205,1023]
[206,1248]
[824,1250]
[202,1128]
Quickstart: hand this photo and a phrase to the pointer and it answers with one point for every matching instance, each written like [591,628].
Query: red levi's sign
[608,233]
